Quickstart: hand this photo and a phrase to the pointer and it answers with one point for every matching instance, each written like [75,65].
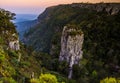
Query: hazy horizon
[37,7]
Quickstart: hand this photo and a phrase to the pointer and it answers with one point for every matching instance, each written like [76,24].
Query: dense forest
[37,60]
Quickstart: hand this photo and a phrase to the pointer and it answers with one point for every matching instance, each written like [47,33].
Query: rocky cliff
[8,33]
[53,17]
[11,40]
[110,8]
[15,62]
[101,35]
[71,46]
[14,44]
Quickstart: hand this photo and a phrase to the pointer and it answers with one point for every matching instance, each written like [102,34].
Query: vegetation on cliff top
[21,65]
[101,46]
[101,43]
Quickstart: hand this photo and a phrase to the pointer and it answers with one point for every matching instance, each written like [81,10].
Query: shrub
[7,80]
[48,78]
[45,78]
[1,40]
[13,53]
[25,63]
[2,56]
[109,80]
[34,80]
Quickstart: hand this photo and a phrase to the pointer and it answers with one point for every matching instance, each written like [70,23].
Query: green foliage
[2,56]
[25,63]
[63,67]
[13,67]
[1,40]
[12,53]
[110,80]
[74,33]
[60,77]
[45,61]
[33,80]
[5,17]
[100,49]
[6,26]
[76,71]
[45,78]
[94,74]
[48,78]
[48,28]
[7,80]
[101,41]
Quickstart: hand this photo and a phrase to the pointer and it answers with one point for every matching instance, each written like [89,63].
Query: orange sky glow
[27,6]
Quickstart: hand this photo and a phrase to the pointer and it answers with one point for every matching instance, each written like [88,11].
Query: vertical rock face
[14,42]
[71,46]
[14,45]
[110,8]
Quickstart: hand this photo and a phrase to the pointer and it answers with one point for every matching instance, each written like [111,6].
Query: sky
[38,6]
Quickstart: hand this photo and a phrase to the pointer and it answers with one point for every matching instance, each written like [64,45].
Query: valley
[70,43]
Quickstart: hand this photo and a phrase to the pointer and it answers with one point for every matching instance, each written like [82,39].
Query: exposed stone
[14,45]
[14,42]
[71,47]
[19,57]
[110,8]
[115,11]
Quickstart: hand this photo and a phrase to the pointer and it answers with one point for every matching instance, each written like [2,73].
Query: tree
[48,78]
[110,80]
[5,19]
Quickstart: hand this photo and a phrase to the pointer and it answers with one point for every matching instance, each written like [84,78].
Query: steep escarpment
[109,8]
[51,22]
[10,39]
[15,59]
[100,24]
[71,46]
[53,18]
[8,33]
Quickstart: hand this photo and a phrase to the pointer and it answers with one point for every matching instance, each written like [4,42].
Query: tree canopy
[5,19]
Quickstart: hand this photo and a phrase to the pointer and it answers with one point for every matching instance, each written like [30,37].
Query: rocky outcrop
[71,46]
[11,40]
[14,45]
[14,42]
[110,8]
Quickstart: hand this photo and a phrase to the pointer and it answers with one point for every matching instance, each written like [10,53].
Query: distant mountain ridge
[24,17]
[23,27]
[24,22]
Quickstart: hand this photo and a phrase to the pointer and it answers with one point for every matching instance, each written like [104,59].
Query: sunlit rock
[71,46]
